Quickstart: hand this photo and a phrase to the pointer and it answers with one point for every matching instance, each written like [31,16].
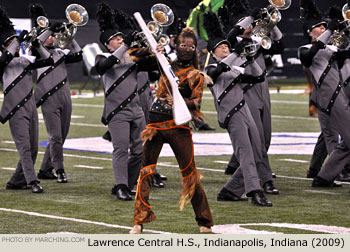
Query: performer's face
[222,51]
[115,43]
[316,32]
[185,48]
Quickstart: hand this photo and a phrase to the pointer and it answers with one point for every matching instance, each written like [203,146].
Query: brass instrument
[77,16]
[43,22]
[162,16]
[270,16]
[340,38]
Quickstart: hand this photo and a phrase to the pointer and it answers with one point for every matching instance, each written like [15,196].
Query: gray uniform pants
[262,119]
[57,111]
[246,144]
[24,130]
[127,148]
[340,120]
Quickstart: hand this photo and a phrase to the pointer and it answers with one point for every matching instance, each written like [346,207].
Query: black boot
[61,176]
[259,199]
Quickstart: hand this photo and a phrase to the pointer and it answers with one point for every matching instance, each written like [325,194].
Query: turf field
[85,204]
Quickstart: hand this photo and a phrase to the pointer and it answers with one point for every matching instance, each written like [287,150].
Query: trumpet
[42,22]
[77,16]
[162,16]
[270,16]
[340,38]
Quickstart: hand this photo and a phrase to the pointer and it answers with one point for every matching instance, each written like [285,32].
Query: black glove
[255,12]
[23,36]
[57,27]
[239,47]
[250,58]
[333,25]
[129,38]
[35,43]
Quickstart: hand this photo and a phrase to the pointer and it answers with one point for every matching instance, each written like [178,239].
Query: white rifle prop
[180,111]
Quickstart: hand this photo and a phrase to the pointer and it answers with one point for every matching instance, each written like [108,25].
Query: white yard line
[322,192]
[8,168]
[294,160]
[88,105]
[220,162]
[290,102]
[295,117]
[83,124]
[77,220]
[89,167]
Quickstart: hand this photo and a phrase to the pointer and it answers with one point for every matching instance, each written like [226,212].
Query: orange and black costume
[162,129]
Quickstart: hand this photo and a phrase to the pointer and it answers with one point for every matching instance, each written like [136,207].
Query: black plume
[105,17]
[5,23]
[36,10]
[212,25]
[335,12]
[124,21]
[239,7]
[308,9]
[176,27]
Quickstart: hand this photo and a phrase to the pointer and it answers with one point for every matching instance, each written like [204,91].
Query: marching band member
[122,109]
[234,114]
[52,93]
[324,63]
[257,95]
[19,106]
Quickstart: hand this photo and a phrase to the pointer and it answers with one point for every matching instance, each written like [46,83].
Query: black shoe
[107,136]
[259,199]
[62,177]
[206,127]
[36,188]
[311,173]
[226,195]
[46,175]
[270,188]
[344,176]
[115,188]
[157,182]
[122,193]
[163,177]
[10,186]
[273,175]
[229,170]
[320,182]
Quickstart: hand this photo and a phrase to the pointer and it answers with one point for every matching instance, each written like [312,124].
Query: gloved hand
[57,27]
[239,47]
[222,67]
[23,36]
[255,12]
[35,43]
[129,38]
[333,24]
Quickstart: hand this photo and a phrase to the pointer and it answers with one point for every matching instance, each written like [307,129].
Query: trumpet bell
[162,14]
[154,27]
[266,43]
[281,4]
[346,11]
[77,14]
[42,21]
[164,40]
